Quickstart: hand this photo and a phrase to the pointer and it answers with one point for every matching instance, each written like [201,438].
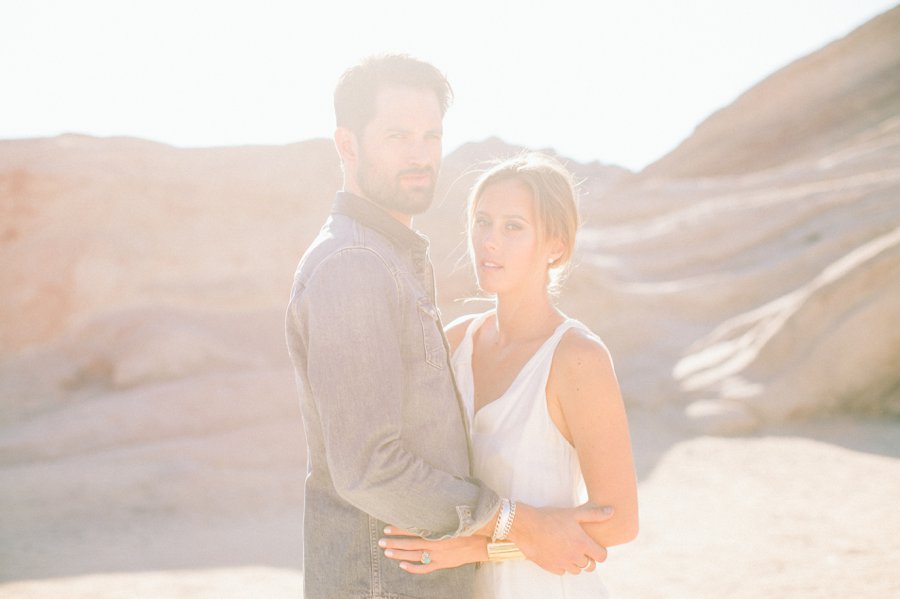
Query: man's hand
[409,549]
[554,539]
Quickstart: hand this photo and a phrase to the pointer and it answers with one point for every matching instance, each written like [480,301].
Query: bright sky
[621,82]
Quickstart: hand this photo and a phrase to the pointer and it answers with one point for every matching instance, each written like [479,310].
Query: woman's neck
[525,317]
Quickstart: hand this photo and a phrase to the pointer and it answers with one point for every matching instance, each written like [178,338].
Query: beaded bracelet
[507,526]
[504,520]
[504,513]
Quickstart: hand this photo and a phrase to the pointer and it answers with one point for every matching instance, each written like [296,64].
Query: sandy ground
[805,510]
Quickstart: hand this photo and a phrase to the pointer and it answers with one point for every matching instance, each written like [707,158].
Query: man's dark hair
[354,96]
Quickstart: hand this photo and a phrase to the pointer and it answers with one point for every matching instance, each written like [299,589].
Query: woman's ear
[555,251]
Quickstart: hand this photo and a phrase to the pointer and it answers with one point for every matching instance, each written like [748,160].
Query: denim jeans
[385,428]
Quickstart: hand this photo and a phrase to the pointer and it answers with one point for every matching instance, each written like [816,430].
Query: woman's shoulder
[582,372]
[456,330]
[580,349]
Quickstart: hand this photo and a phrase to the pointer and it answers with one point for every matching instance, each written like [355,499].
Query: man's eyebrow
[439,131]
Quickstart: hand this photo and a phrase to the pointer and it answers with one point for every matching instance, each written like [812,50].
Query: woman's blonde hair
[555,198]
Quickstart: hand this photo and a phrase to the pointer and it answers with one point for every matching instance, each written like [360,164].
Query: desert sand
[746,284]
[807,510]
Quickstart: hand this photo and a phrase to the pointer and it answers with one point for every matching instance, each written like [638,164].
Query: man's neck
[403,219]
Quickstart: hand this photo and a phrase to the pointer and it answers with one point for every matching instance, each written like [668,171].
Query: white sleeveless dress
[519,453]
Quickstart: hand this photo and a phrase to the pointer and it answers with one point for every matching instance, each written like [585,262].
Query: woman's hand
[410,549]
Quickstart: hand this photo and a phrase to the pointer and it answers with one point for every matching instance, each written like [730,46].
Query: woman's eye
[513,226]
[481,222]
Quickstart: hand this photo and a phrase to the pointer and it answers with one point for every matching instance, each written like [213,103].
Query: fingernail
[404,565]
[387,530]
[382,543]
[388,553]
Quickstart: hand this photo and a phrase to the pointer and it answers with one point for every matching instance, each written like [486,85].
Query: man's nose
[421,152]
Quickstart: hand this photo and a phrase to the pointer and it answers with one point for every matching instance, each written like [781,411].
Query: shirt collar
[375,217]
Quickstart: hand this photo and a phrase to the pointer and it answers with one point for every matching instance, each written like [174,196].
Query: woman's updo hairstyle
[555,202]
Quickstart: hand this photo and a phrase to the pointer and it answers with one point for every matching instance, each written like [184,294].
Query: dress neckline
[476,325]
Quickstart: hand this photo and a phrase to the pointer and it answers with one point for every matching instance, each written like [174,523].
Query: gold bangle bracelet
[498,552]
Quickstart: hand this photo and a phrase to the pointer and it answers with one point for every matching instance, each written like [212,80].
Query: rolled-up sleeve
[350,315]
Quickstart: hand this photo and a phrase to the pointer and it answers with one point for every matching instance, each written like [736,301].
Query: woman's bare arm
[585,403]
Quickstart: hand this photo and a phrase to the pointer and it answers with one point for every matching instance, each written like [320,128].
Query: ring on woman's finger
[426,558]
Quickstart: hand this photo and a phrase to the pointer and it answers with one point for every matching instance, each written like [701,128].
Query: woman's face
[506,242]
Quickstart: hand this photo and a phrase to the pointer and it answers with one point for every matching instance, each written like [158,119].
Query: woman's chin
[486,286]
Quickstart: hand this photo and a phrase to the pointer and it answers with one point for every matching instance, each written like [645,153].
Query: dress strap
[542,359]
[475,321]
[549,346]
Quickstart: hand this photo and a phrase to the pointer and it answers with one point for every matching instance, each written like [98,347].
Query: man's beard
[387,191]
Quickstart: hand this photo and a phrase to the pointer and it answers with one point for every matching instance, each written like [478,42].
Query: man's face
[400,150]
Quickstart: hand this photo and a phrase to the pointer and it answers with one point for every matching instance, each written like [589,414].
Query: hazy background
[740,256]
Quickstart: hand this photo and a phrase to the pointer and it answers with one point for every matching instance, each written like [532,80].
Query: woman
[547,420]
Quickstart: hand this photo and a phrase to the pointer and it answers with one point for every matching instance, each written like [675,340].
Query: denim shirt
[385,428]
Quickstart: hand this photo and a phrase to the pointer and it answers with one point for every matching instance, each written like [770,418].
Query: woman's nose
[489,239]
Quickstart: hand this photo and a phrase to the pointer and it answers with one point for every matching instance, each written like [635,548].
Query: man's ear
[347,145]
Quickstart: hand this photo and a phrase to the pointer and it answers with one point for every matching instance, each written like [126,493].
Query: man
[385,429]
